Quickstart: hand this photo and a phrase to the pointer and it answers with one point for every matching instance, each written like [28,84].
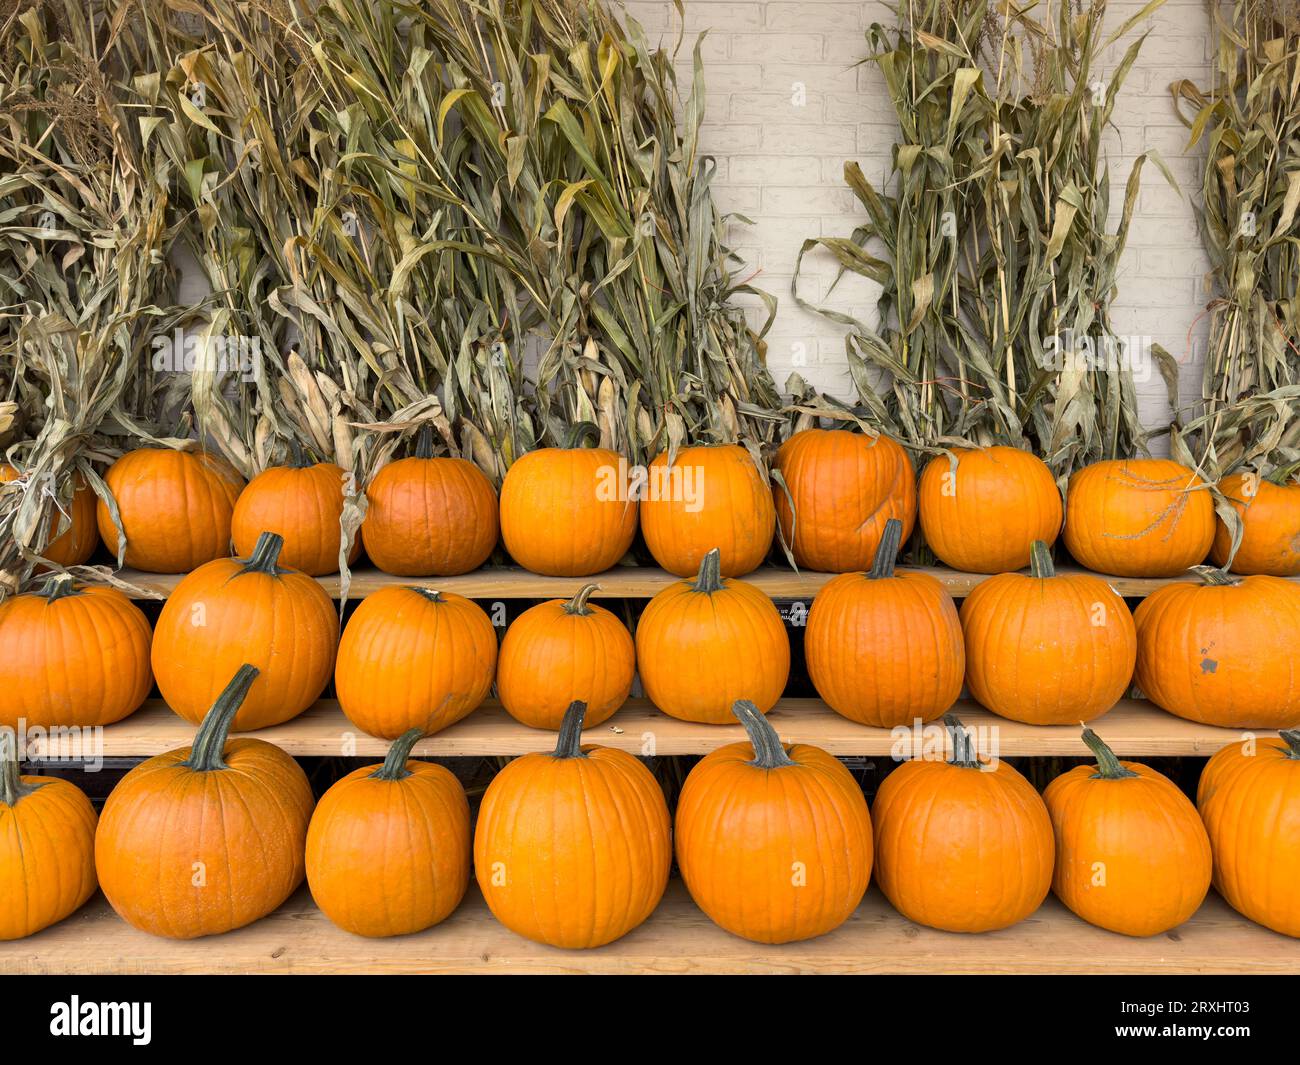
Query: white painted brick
[799,200]
[809,139]
[780,47]
[776,107]
[829,17]
[775,169]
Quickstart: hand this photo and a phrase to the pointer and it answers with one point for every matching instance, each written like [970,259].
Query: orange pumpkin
[560,651]
[703,644]
[708,497]
[246,610]
[175,508]
[414,658]
[844,487]
[885,648]
[1138,517]
[1270,518]
[78,537]
[573,848]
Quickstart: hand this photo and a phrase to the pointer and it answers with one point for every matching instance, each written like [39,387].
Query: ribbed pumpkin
[965,845]
[573,848]
[885,648]
[708,497]
[703,644]
[562,651]
[208,838]
[773,842]
[246,610]
[1047,649]
[175,508]
[74,655]
[982,508]
[1249,799]
[1270,517]
[47,848]
[1131,853]
[1138,517]
[414,658]
[845,486]
[1222,652]
[79,536]
[388,847]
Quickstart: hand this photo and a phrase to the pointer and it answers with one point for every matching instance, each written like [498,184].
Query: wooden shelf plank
[677,938]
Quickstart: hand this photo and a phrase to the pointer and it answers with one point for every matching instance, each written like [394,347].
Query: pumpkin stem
[12,787]
[394,767]
[60,586]
[1291,737]
[1108,766]
[768,750]
[709,579]
[266,555]
[1040,561]
[578,604]
[963,746]
[569,745]
[431,594]
[210,742]
[1212,576]
[579,432]
[882,564]
[298,459]
[424,442]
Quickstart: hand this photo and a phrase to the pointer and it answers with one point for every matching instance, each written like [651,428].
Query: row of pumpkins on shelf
[775,843]
[566,511]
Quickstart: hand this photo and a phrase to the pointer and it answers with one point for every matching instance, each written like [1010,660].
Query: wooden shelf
[678,938]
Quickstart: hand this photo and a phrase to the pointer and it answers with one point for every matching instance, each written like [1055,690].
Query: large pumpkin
[73,655]
[564,650]
[1131,853]
[1222,652]
[414,658]
[1047,649]
[1138,517]
[981,509]
[703,644]
[573,848]
[75,533]
[844,487]
[963,845]
[175,507]
[885,648]
[246,610]
[773,842]
[388,847]
[708,497]
[208,838]
[1249,798]
[1270,518]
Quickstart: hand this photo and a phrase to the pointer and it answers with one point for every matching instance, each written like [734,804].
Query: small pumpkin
[414,658]
[1222,652]
[840,488]
[74,655]
[708,497]
[1131,853]
[1047,649]
[207,838]
[76,536]
[175,508]
[885,648]
[703,644]
[253,610]
[962,845]
[47,847]
[981,509]
[564,650]
[388,847]
[1270,518]
[773,842]
[1138,517]
[573,848]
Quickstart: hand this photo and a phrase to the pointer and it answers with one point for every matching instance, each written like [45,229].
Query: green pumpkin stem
[709,579]
[769,753]
[210,742]
[1291,737]
[12,787]
[424,442]
[1040,561]
[578,604]
[569,744]
[579,432]
[266,555]
[394,767]
[1108,766]
[963,747]
[60,586]
[882,565]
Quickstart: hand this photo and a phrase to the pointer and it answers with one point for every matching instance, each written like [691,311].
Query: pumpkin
[573,848]
[388,847]
[962,845]
[1222,652]
[79,537]
[981,509]
[207,838]
[708,497]
[1249,799]
[1047,649]
[773,842]
[1138,517]
[47,847]
[74,655]
[564,650]
[430,516]
[839,490]
[1270,518]
[414,658]
[885,648]
[703,644]
[568,512]
[1131,853]
[253,610]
